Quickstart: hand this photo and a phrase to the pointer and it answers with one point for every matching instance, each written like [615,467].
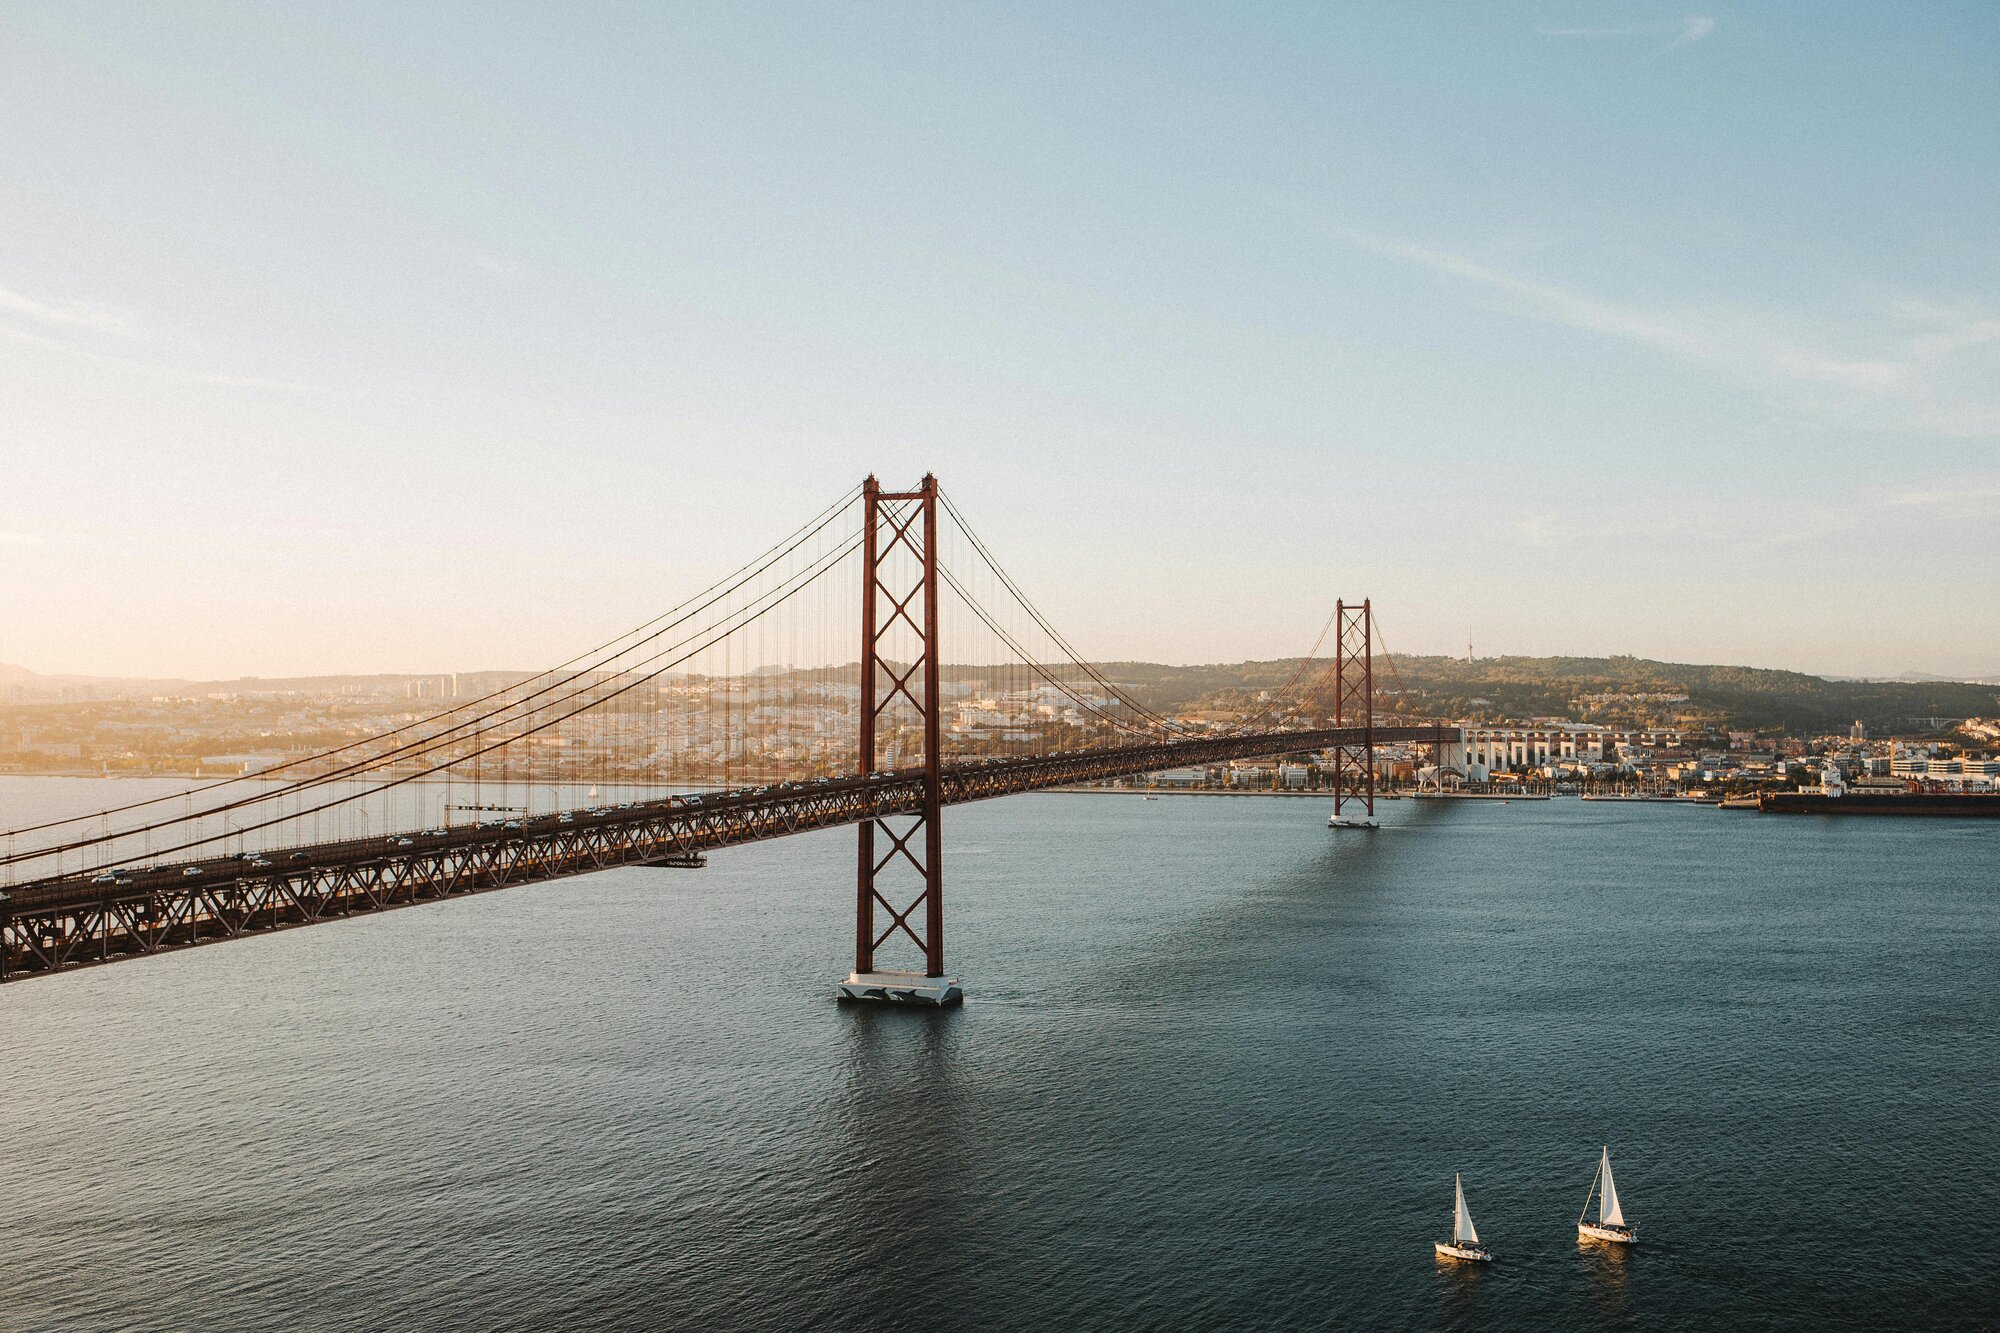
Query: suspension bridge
[873,667]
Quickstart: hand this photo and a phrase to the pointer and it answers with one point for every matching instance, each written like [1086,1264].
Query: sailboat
[1464,1242]
[1610,1224]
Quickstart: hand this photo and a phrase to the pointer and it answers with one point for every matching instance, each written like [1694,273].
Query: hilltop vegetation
[1615,691]
[1611,690]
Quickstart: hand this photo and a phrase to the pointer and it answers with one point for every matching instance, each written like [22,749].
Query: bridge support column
[900,855]
[1354,705]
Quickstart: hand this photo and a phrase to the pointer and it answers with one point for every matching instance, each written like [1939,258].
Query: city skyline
[386,341]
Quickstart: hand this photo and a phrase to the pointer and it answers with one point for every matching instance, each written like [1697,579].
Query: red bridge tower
[899,697]
[1354,706]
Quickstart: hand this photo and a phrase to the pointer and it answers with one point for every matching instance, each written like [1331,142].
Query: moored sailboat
[1464,1242]
[1610,1224]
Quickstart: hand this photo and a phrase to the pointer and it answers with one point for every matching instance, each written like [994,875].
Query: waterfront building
[1558,742]
[1960,774]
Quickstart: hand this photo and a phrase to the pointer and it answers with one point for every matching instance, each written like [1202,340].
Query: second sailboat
[1464,1242]
[1610,1224]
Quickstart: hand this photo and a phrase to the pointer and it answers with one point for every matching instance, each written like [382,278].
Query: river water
[1217,1069]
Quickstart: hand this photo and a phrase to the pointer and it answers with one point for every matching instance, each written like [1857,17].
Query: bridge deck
[51,925]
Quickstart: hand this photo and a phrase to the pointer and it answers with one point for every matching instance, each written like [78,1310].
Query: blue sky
[392,337]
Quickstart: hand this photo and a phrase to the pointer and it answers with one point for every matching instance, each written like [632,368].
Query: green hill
[1611,690]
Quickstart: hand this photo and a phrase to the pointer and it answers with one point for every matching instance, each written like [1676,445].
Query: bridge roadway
[54,924]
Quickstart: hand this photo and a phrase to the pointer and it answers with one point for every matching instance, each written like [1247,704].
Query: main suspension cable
[755,566]
[1055,636]
[800,582]
[430,745]
[1035,666]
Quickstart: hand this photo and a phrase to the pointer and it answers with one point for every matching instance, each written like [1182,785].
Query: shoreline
[1209,791]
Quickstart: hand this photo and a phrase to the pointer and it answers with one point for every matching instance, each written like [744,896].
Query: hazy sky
[423,336]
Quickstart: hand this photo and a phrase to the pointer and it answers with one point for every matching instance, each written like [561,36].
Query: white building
[1960,774]
[1550,742]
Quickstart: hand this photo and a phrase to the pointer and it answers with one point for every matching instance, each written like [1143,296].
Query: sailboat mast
[1608,1210]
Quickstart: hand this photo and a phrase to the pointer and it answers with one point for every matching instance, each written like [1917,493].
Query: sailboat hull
[1477,1254]
[1605,1231]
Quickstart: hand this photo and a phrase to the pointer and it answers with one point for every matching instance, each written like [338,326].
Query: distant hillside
[1747,698]
[1604,689]
[1611,690]
[1925,677]
[30,685]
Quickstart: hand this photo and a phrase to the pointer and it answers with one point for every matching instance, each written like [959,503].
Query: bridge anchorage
[715,724]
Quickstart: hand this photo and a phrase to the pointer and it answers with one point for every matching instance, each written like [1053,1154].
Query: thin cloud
[1555,304]
[1971,499]
[1697,26]
[1928,367]
[11,537]
[39,340]
[75,318]
[71,314]
[1974,493]
[1849,522]
[1687,32]
[133,366]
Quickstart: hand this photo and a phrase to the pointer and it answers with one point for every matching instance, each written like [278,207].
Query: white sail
[1607,1199]
[1461,1222]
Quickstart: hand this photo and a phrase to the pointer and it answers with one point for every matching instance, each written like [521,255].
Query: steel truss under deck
[54,925]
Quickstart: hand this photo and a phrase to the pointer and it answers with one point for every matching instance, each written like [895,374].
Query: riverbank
[1213,791]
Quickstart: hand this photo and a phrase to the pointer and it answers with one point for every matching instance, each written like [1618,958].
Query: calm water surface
[1217,1070]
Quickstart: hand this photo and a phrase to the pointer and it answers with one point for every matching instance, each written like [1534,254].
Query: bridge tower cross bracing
[899,674]
[1354,704]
